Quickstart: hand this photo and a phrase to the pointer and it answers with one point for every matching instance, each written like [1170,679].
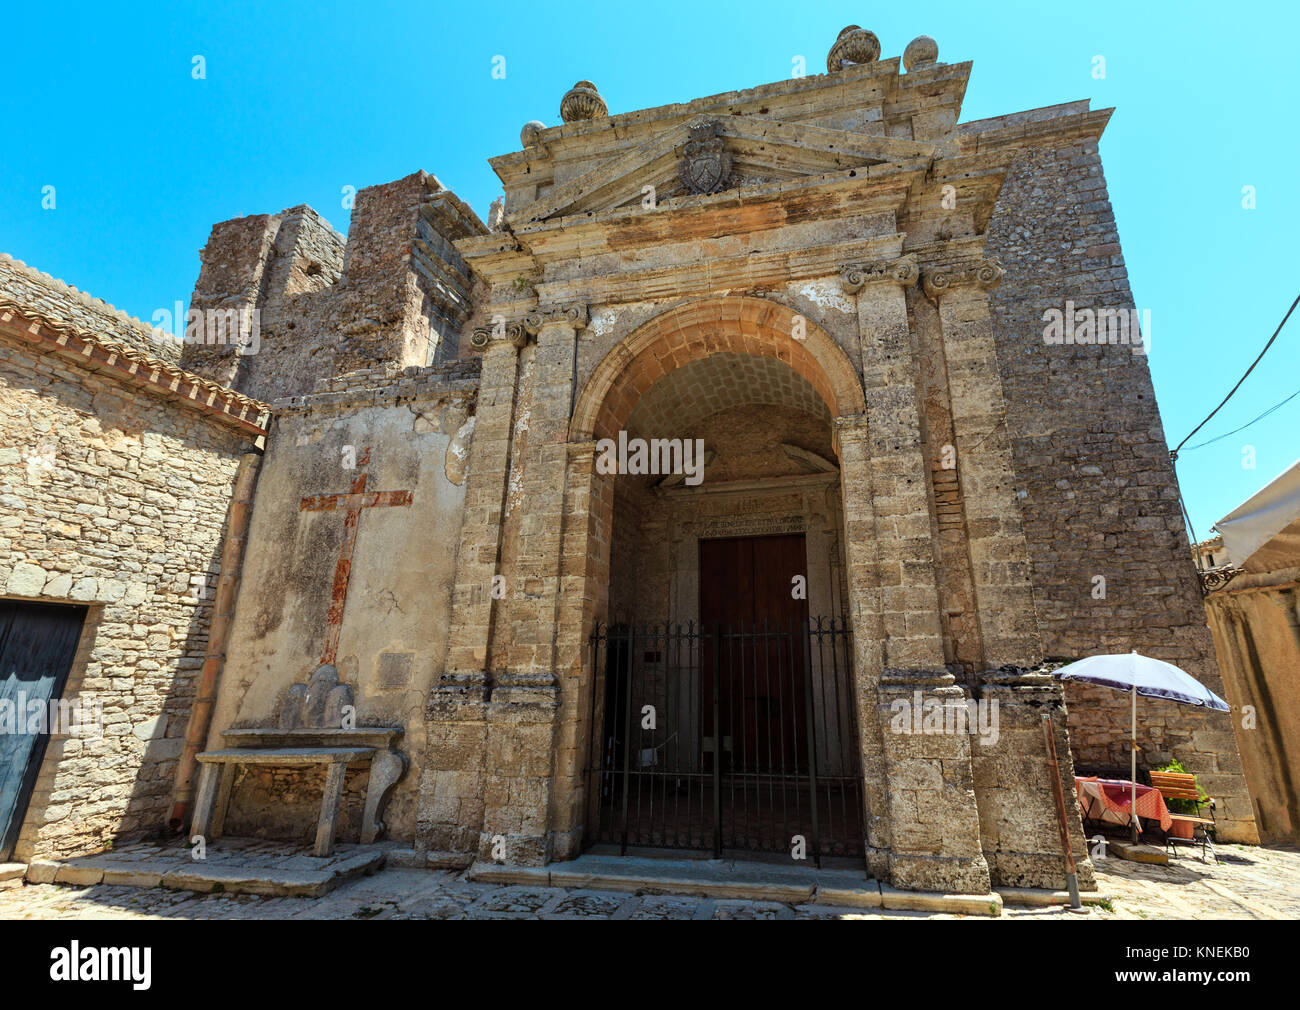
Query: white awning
[1262,534]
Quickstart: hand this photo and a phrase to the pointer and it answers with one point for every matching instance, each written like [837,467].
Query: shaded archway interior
[766,435]
[699,330]
[707,624]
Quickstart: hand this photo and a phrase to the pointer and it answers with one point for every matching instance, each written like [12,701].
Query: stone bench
[335,749]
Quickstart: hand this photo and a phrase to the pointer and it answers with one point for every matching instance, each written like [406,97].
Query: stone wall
[1097,492]
[1256,626]
[405,431]
[115,499]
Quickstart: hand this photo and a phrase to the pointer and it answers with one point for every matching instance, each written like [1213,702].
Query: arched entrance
[722,701]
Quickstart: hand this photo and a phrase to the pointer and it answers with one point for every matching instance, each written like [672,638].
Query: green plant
[1180,806]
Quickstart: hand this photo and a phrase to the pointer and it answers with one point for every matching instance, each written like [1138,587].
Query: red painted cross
[351,505]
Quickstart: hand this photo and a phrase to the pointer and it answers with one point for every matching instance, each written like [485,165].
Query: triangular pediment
[760,150]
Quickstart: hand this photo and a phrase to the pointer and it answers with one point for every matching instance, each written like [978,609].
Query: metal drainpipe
[223,611]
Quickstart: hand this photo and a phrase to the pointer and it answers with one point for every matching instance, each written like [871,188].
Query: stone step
[735,880]
[1140,853]
[232,868]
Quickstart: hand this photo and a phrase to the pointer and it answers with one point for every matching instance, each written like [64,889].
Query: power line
[1174,455]
[1219,438]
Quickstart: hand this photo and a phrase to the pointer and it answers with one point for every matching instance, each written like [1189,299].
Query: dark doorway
[733,733]
[747,586]
[37,644]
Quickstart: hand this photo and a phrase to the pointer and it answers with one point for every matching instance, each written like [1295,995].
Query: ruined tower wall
[396,292]
[1097,492]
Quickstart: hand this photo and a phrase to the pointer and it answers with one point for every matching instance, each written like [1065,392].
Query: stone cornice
[902,271]
[1065,122]
[937,280]
[849,88]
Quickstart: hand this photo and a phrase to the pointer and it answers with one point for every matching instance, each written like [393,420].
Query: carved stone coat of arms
[705,166]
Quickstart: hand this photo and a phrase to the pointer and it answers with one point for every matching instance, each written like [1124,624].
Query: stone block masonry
[387,625]
[1096,489]
[113,498]
[837,290]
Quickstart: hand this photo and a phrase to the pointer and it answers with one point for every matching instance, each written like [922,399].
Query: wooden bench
[1182,786]
[335,749]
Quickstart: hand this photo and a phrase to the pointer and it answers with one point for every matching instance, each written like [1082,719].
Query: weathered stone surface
[833,286]
[1267,888]
[124,495]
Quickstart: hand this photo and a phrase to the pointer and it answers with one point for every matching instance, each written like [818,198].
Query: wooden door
[37,645]
[746,588]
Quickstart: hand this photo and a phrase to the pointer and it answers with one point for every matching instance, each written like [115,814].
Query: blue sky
[301,100]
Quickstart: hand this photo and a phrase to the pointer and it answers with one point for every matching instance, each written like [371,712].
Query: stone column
[485,489]
[922,828]
[535,594]
[524,706]
[452,786]
[898,495]
[998,552]
[1019,830]
[583,599]
[865,610]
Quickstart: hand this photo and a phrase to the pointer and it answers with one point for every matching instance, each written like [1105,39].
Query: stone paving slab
[235,865]
[1247,883]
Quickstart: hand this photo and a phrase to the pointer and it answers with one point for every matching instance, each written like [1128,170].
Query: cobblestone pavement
[1247,883]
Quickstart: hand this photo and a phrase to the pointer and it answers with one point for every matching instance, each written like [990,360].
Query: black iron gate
[722,737]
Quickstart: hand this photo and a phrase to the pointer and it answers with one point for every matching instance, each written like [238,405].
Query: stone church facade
[831,282]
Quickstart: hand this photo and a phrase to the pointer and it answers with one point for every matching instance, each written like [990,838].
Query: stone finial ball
[853,45]
[920,52]
[528,135]
[582,101]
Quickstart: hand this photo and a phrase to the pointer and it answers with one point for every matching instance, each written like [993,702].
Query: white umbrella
[1151,678]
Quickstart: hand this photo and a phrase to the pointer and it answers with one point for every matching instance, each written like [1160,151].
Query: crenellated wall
[396,291]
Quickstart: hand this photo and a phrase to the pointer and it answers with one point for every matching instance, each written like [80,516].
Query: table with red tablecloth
[1109,801]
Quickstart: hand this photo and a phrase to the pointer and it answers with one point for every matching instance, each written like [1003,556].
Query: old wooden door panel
[37,645]
[746,587]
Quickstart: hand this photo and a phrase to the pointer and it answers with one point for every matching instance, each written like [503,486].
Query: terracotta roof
[41,310]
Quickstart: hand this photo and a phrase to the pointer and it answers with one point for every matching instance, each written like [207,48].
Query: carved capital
[855,276]
[499,331]
[574,315]
[937,280]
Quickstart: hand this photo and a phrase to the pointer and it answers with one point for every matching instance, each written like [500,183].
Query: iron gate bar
[677,669]
[627,728]
[812,744]
[717,747]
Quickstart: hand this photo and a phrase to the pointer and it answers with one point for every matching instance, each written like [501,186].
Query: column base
[934,825]
[946,874]
[1019,825]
